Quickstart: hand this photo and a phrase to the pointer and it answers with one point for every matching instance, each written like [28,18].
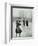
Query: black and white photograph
[18,22]
[21,21]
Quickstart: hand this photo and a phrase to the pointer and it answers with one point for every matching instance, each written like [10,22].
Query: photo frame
[18,9]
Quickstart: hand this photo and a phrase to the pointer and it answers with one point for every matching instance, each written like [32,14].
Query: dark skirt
[18,30]
[26,23]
